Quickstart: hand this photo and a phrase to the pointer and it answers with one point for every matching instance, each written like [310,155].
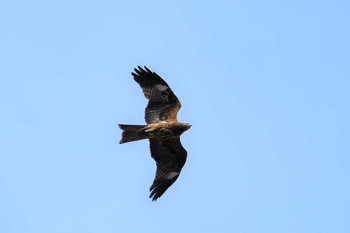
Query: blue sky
[265,85]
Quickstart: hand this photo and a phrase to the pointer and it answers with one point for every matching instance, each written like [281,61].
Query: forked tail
[132,133]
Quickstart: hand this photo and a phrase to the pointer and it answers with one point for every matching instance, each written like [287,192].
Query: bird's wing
[163,103]
[170,157]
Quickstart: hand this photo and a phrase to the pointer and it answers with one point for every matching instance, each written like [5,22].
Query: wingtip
[153,197]
[142,69]
[137,71]
[148,70]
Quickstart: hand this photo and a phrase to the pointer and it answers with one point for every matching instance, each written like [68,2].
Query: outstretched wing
[162,104]
[170,157]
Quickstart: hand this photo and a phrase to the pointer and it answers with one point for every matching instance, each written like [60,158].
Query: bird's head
[187,126]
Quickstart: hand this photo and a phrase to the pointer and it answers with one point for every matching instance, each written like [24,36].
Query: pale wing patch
[161,87]
[171,175]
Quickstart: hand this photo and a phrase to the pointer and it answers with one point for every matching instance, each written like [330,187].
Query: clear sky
[265,85]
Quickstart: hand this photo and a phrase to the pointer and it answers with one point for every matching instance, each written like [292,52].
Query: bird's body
[162,129]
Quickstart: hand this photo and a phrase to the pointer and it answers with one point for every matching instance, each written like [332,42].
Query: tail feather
[132,133]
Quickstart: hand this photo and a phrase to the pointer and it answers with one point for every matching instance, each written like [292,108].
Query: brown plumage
[162,129]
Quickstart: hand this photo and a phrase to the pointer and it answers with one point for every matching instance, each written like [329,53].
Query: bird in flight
[162,129]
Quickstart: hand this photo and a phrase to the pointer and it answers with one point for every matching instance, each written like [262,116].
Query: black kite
[162,129]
